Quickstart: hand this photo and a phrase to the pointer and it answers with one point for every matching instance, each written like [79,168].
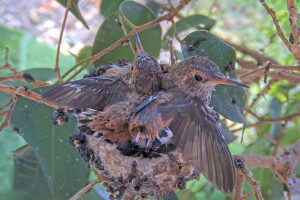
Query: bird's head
[196,76]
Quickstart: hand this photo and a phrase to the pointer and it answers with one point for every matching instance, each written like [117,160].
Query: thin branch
[11,109]
[239,180]
[86,189]
[27,94]
[20,153]
[56,69]
[281,134]
[254,184]
[262,93]
[143,27]
[171,49]
[295,34]
[294,47]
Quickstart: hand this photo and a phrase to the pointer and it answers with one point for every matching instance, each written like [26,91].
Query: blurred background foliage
[41,172]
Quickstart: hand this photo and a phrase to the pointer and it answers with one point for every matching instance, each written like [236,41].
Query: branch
[143,27]
[56,69]
[294,47]
[27,94]
[11,109]
[26,77]
[86,188]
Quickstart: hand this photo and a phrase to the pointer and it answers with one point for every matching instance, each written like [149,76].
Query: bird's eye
[198,77]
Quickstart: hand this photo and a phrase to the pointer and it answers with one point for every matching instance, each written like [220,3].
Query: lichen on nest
[143,173]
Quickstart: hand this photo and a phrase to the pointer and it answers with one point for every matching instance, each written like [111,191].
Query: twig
[26,148]
[262,93]
[80,70]
[27,94]
[293,48]
[279,138]
[56,69]
[294,36]
[175,32]
[170,42]
[254,184]
[269,121]
[3,113]
[95,57]
[239,180]
[86,188]
[16,75]
[260,58]
[11,109]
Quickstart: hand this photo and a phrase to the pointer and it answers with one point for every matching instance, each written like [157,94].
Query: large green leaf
[75,10]
[109,32]
[108,7]
[229,101]
[269,186]
[135,14]
[192,21]
[186,23]
[26,52]
[10,141]
[275,111]
[85,53]
[42,74]
[118,25]
[57,171]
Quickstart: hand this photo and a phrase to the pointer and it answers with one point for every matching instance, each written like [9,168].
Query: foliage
[51,169]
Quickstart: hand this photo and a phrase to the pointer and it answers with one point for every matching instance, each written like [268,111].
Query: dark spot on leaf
[119,24]
[233,100]
[28,77]
[196,44]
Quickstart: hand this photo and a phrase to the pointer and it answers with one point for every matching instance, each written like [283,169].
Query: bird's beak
[138,44]
[226,81]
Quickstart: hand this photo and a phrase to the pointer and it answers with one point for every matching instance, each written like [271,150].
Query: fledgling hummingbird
[146,75]
[154,109]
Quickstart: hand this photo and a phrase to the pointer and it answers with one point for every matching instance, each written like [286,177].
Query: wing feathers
[196,133]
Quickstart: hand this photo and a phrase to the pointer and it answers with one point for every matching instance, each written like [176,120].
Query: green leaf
[85,53]
[57,172]
[75,10]
[269,186]
[108,7]
[275,111]
[10,141]
[26,52]
[154,7]
[229,101]
[135,14]
[184,24]
[109,32]
[42,74]
[4,99]
[257,147]
[114,28]
[229,137]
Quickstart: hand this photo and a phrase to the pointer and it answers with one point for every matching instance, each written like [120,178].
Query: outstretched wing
[196,133]
[92,92]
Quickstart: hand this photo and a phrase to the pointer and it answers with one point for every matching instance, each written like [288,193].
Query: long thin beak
[138,43]
[226,81]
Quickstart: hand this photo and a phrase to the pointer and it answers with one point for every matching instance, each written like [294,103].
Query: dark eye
[198,77]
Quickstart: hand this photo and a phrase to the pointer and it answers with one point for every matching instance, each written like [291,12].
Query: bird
[151,109]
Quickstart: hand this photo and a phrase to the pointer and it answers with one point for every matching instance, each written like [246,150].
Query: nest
[134,173]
